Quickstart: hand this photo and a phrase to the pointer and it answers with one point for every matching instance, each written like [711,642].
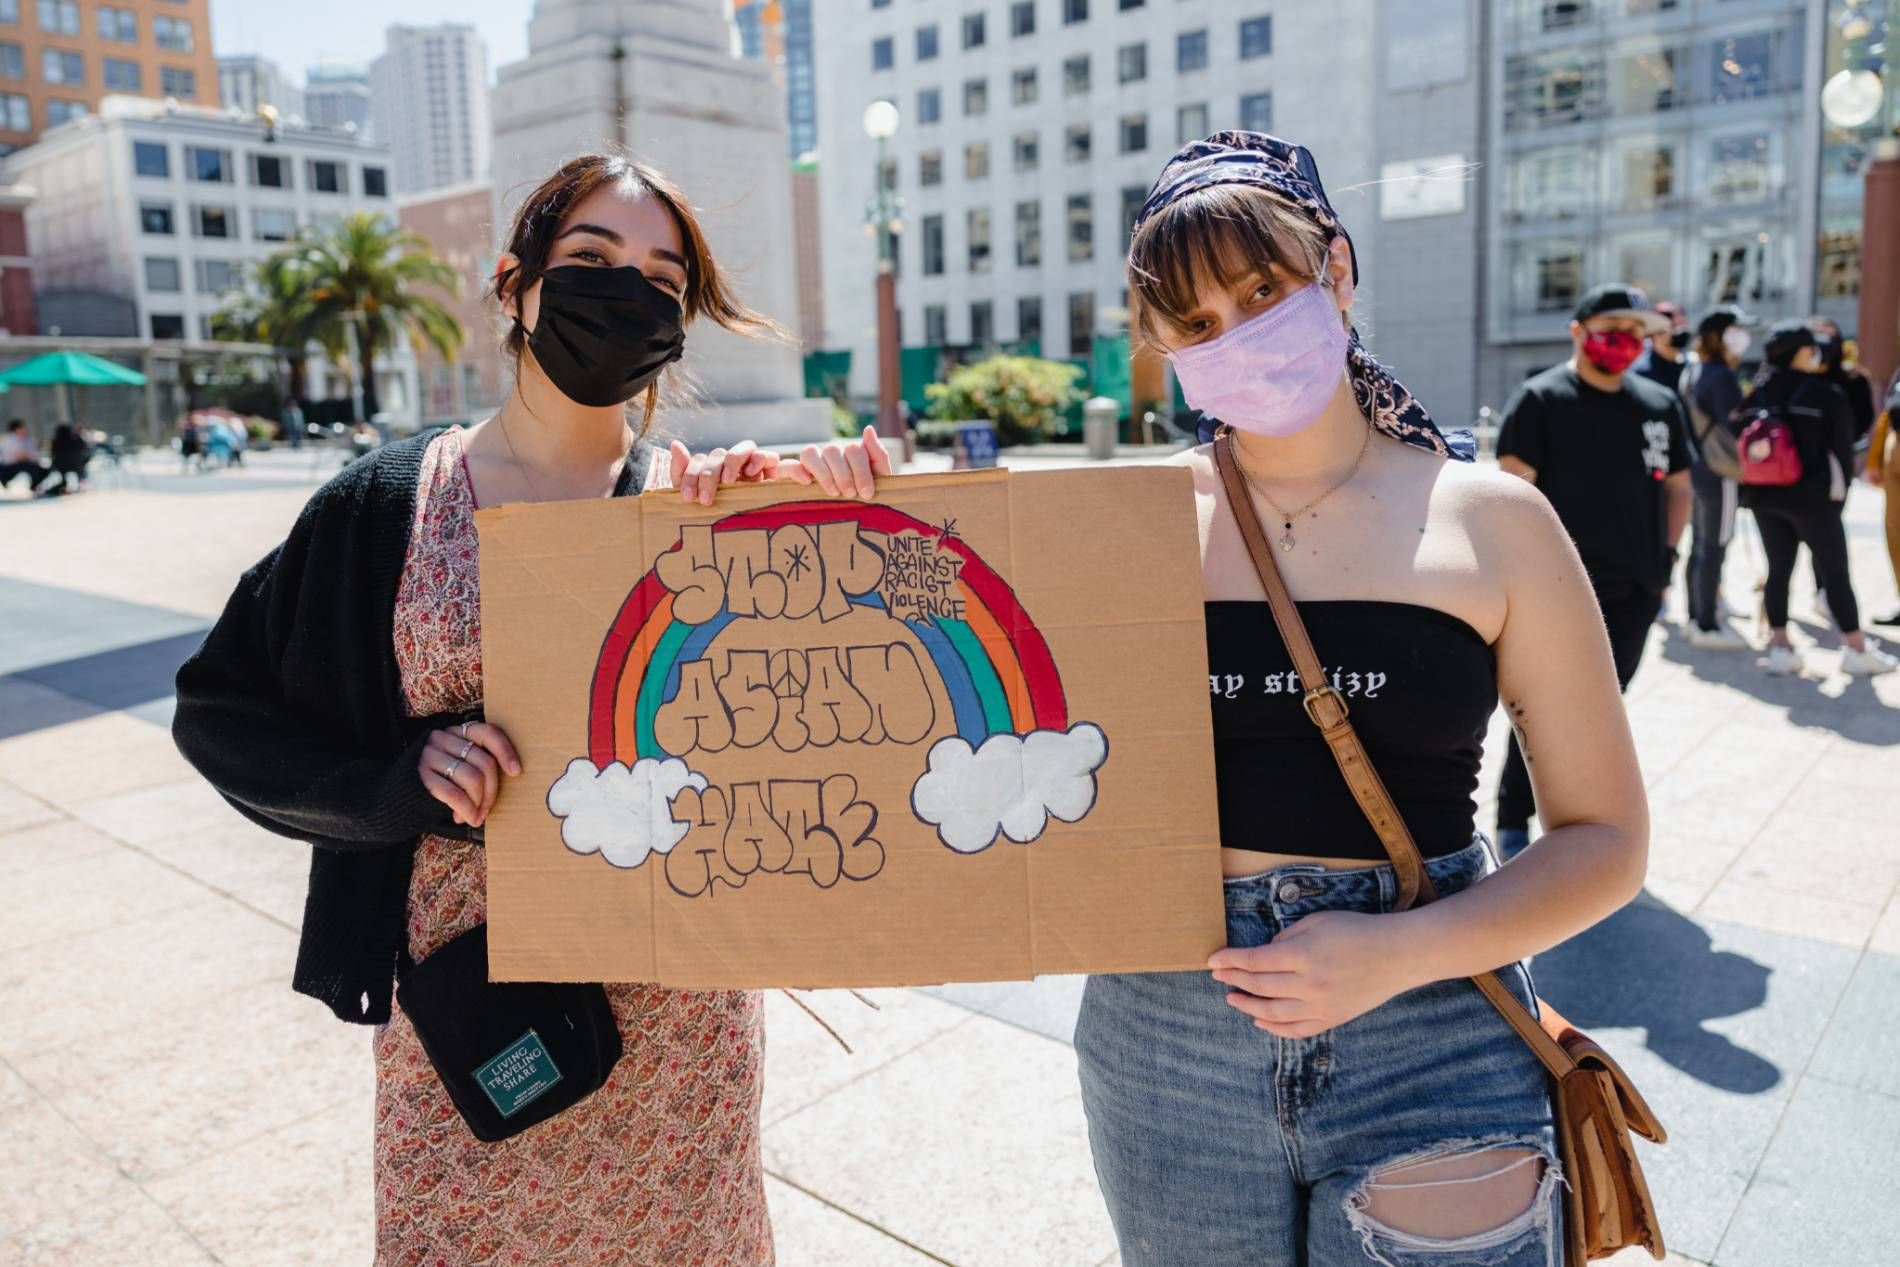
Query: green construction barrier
[828,374]
[917,369]
[1111,374]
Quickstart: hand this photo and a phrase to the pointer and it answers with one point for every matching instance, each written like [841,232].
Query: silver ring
[450,772]
[463,755]
[464,729]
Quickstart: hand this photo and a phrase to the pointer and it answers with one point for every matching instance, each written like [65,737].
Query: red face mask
[1612,351]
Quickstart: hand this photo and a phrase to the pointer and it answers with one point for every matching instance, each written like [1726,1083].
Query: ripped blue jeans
[1220,1145]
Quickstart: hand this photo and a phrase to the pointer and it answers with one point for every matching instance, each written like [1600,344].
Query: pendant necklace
[1287,540]
[520,466]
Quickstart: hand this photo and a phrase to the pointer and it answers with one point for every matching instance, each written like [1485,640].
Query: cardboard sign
[960,733]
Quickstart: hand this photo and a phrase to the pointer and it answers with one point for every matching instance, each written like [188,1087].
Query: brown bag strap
[1326,708]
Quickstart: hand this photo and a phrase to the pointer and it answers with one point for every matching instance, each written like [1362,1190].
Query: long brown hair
[1222,234]
[538,221]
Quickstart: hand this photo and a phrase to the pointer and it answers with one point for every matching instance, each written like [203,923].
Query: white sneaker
[1783,661]
[1721,638]
[1868,663]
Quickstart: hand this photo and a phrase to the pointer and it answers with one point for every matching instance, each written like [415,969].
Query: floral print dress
[659,1166]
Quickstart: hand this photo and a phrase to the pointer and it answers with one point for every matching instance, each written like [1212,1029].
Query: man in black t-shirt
[1610,449]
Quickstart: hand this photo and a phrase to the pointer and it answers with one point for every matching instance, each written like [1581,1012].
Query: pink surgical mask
[1273,375]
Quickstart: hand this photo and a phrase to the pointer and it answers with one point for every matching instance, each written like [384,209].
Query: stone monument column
[661,79]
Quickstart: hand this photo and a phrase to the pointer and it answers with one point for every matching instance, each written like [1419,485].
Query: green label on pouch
[519,1074]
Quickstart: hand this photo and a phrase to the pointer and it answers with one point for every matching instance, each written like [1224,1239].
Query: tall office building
[429,100]
[336,95]
[780,32]
[247,81]
[59,59]
[1030,133]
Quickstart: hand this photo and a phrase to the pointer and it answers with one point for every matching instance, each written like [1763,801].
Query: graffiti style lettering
[798,699]
[815,828]
[790,572]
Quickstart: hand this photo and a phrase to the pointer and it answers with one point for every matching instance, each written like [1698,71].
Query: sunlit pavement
[165,1098]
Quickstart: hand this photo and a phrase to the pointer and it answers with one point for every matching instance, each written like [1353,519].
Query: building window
[1559,279]
[1081,229]
[982,323]
[273,224]
[1190,50]
[930,168]
[150,158]
[973,32]
[1131,62]
[59,110]
[936,326]
[977,224]
[59,17]
[929,105]
[976,160]
[882,55]
[1256,37]
[1133,196]
[213,166]
[1074,11]
[174,82]
[1547,184]
[1022,86]
[10,12]
[1134,133]
[120,26]
[1736,268]
[1126,5]
[1075,76]
[1738,168]
[1256,112]
[887,173]
[214,276]
[326,177]
[60,67]
[162,275]
[1027,151]
[976,96]
[1081,323]
[1190,122]
[167,326]
[376,182]
[1075,143]
[933,246]
[1551,88]
[1646,261]
[1028,234]
[172,34]
[13,62]
[270,171]
[119,74]
[1742,68]
[156,217]
[927,42]
[1029,318]
[214,222]
[880,4]
[1837,271]
[1644,82]
[1022,17]
[1648,176]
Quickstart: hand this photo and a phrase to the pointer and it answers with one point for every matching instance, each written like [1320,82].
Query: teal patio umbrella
[64,369]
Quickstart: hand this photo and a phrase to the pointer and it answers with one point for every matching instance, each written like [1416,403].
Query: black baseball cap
[1621,300]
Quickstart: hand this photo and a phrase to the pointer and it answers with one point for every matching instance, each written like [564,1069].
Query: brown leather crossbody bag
[1607,1206]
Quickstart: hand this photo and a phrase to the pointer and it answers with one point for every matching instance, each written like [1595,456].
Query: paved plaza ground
[166,1100]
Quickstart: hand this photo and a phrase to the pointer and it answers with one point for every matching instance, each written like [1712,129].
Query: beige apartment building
[58,58]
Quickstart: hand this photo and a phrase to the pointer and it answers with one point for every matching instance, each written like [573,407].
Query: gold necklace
[520,466]
[1287,541]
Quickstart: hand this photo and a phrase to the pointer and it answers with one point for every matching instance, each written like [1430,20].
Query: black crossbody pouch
[510,1054]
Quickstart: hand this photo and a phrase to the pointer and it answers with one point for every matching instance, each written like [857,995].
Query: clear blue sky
[297,35]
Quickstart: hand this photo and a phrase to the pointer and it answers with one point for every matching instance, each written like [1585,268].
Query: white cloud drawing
[621,812]
[1011,785]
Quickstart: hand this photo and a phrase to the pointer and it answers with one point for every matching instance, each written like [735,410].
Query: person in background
[20,456]
[1712,389]
[1610,450]
[1840,369]
[1793,388]
[71,451]
[1663,360]
[293,422]
[191,445]
[1883,468]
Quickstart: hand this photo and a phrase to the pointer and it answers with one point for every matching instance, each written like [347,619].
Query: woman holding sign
[1332,1092]
[338,701]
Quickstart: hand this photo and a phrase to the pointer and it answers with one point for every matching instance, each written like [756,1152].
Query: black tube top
[1422,686]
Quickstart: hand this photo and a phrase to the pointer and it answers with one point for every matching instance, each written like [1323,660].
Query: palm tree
[272,305]
[366,273]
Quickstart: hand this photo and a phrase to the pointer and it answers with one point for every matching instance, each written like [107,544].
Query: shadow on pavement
[1648,967]
[1857,713]
[124,677]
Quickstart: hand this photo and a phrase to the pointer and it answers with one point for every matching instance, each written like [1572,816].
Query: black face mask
[1833,353]
[604,334]
[1679,339]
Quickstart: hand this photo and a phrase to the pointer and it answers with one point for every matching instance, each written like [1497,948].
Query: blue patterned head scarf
[1290,172]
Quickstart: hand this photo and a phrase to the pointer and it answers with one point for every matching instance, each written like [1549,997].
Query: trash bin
[1101,418]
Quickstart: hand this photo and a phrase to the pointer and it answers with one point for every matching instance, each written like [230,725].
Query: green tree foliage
[1025,397]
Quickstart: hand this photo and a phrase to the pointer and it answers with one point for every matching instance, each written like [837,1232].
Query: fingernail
[515,768]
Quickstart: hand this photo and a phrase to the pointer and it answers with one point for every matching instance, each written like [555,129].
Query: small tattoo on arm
[1519,715]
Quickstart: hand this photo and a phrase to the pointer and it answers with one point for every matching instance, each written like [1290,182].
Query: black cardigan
[293,709]
[1822,420]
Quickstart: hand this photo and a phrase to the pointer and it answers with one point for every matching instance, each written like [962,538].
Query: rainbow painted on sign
[994,662]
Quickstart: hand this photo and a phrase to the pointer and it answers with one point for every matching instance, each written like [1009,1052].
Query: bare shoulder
[1491,500]
[1200,460]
